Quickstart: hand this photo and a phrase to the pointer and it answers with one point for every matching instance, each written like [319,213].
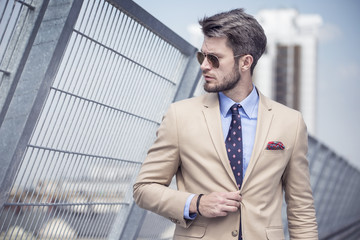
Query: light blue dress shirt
[248,114]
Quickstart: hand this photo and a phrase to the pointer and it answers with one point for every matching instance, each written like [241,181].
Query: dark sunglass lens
[200,57]
[213,60]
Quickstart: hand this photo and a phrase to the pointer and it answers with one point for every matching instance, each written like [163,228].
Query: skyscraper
[287,72]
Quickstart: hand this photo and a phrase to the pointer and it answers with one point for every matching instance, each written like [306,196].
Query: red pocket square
[275,145]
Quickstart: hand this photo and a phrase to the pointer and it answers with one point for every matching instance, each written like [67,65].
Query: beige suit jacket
[190,144]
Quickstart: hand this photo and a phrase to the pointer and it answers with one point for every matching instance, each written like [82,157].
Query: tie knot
[235,109]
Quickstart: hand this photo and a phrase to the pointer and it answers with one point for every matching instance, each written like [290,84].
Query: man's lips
[208,78]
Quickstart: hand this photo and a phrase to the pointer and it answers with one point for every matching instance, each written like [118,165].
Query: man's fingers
[233,203]
[233,196]
[218,204]
[230,208]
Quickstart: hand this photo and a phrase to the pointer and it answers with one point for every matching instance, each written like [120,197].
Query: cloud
[329,32]
[196,36]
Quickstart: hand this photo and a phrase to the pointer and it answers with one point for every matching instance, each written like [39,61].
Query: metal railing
[336,187]
[17,20]
[336,190]
[101,75]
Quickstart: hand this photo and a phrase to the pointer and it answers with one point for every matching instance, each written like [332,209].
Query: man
[233,150]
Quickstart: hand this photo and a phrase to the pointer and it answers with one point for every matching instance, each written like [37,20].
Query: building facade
[287,72]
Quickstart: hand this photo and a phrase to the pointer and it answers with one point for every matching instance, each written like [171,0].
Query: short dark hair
[244,34]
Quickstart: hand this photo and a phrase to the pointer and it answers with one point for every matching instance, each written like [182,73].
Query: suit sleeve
[298,194]
[151,190]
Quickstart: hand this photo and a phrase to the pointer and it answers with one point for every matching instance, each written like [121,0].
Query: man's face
[227,75]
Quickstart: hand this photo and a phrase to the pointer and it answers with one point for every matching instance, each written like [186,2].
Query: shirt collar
[249,104]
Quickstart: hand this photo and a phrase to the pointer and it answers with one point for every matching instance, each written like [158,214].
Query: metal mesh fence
[113,84]
[9,14]
[11,23]
[336,188]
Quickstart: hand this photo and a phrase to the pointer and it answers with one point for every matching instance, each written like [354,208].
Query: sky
[338,87]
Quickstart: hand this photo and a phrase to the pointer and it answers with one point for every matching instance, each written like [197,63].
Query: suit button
[234,233]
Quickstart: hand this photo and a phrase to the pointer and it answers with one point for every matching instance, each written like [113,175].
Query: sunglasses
[212,59]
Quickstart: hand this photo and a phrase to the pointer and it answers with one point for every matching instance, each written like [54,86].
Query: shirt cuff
[187,214]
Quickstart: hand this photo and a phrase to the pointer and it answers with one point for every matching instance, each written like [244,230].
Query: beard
[228,82]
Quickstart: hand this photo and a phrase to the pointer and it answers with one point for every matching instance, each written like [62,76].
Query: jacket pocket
[275,233]
[194,231]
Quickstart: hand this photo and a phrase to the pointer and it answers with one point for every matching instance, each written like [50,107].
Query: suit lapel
[212,117]
[265,117]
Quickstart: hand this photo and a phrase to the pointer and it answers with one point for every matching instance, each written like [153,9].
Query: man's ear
[246,62]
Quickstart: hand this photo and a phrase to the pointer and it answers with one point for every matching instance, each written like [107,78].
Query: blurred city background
[84,85]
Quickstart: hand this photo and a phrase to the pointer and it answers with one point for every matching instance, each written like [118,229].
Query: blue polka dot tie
[234,148]
[234,145]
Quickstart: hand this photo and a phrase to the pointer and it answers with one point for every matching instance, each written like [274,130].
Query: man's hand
[217,204]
